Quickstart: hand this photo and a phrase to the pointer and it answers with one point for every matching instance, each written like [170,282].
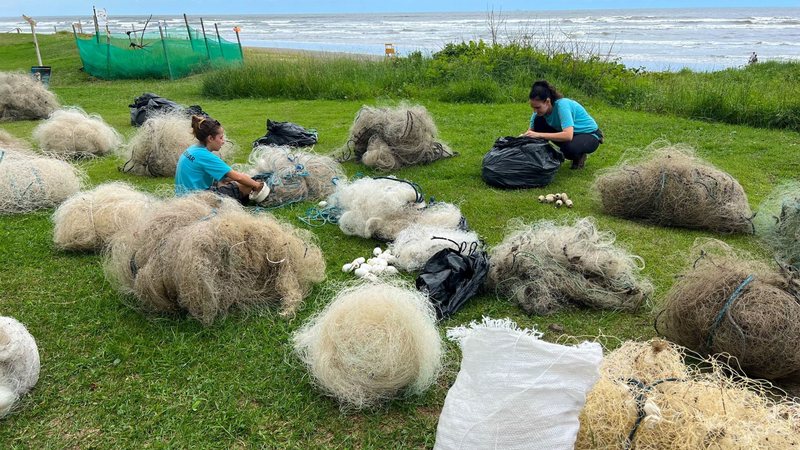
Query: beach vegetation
[762,95]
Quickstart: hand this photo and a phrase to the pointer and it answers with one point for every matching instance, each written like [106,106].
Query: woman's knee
[578,146]
[568,150]
[584,143]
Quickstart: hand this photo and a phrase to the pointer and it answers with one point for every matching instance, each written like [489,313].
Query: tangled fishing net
[29,183]
[545,267]
[382,207]
[726,303]
[647,398]
[203,254]
[390,138]
[293,175]
[778,223]
[371,343]
[87,220]
[16,155]
[24,98]
[71,133]
[156,147]
[672,186]
[416,244]
[19,363]
[9,142]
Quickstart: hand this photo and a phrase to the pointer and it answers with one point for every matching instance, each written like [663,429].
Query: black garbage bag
[451,277]
[149,103]
[521,162]
[287,133]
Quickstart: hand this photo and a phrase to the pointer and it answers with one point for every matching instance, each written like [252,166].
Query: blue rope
[259,209]
[718,319]
[19,196]
[317,217]
[301,170]
[212,214]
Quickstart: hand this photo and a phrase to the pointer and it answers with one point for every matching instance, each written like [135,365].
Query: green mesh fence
[118,56]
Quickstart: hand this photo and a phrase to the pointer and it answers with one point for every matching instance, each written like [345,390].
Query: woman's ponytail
[542,90]
[203,127]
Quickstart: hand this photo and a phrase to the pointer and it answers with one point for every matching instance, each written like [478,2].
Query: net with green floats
[158,54]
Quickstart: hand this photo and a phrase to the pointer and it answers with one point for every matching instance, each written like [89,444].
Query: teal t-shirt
[198,169]
[569,113]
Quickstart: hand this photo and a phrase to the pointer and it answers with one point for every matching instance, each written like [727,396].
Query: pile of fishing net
[647,398]
[545,267]
[30,182]
[293,175]
[390,138]
[71,133]
[24,98]
[87,220]
[156,147]
[727,303]
[416,244]
[19,363]
[672,186]
[382,207]
[371,343]
[203,254]
[778,223]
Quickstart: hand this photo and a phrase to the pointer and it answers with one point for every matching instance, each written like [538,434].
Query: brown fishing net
[671,186]
[390,138]
[726,303]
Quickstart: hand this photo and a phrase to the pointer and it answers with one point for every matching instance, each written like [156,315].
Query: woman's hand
[559,136]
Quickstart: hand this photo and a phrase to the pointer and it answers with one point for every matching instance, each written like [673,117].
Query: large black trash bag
[521,162]
[287,133]
[451,277]
[148,103]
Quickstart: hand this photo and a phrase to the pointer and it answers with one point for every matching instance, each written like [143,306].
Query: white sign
[102,16]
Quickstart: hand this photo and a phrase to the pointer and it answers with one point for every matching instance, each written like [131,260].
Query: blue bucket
[41,73]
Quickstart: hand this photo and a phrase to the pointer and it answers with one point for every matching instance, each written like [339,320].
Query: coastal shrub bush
[473,91]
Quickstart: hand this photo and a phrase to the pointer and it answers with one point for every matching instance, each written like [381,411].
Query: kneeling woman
[200,169]
[564,122]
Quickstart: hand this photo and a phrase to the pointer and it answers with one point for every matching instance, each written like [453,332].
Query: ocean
[653,39]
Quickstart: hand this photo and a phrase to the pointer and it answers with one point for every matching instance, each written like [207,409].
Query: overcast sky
[13,8]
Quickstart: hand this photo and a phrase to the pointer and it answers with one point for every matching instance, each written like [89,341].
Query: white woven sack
[515,391]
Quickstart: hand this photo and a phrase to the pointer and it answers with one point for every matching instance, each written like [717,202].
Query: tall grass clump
[763,95]
[307,78]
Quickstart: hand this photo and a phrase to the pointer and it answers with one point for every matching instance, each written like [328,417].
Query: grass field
[114,378]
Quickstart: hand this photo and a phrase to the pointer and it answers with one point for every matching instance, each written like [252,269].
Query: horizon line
[500,10]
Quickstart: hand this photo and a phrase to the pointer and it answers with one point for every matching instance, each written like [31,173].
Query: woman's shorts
[229,190]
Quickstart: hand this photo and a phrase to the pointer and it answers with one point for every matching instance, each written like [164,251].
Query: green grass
[114,378]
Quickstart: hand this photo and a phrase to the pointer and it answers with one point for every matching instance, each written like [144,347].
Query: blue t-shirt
[569,113]
[197,170]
